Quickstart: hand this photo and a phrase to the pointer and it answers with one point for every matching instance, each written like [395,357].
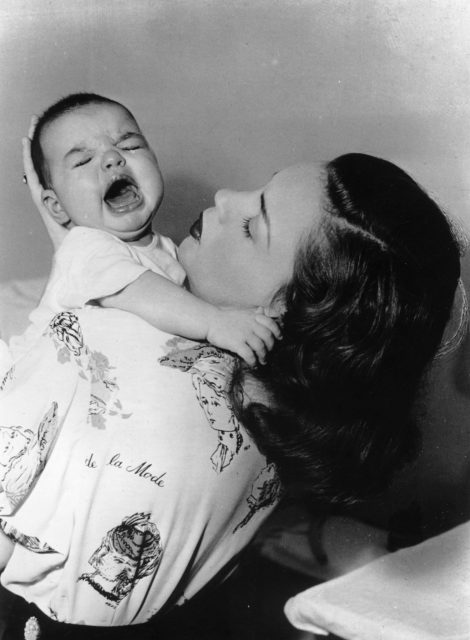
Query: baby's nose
[112,159]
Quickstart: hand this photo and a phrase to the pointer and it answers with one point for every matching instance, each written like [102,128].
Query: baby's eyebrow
[73,150]
[130,134]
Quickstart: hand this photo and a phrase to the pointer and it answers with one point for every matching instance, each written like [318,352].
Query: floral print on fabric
[66,327]
[208,367]
[127,553]
[7,377]
[103,401]
[23,454]
[94,366]
[265,491]
[29,542]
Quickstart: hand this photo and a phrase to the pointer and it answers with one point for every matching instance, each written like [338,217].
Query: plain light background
[229,91]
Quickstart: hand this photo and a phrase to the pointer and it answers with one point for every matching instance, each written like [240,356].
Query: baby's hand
[249,333]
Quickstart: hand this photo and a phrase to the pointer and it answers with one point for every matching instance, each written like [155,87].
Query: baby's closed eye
[82,161]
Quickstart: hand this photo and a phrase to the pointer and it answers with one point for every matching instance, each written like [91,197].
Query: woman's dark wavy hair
[366,307]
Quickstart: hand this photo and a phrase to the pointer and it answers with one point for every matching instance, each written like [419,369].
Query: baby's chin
[140,236]
[132,235]
[130,228]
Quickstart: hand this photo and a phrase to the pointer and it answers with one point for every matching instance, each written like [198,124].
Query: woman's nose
[221,198]
[226,203]
[236,203]
[112,159]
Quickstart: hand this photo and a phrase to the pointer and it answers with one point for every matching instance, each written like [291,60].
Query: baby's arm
[171,308]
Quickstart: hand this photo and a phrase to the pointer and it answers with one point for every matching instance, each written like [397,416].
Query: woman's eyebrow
[265,218]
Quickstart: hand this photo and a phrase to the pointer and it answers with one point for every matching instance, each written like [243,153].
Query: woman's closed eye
[246,227]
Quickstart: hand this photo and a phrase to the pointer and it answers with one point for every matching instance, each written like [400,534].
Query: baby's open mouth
[123,195]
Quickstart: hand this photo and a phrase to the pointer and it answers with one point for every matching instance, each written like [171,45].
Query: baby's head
[96,167]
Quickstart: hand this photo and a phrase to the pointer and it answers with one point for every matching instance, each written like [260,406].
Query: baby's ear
[52,204]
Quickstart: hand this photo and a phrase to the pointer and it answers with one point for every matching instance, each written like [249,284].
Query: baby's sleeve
[91,264]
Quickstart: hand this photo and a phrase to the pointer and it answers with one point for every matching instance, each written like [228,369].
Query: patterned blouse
[125,478]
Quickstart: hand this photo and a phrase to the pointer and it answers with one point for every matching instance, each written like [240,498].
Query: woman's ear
[52,204]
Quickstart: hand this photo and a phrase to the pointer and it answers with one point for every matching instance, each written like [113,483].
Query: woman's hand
[56,231]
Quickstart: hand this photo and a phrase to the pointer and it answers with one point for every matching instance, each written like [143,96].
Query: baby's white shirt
[91,264]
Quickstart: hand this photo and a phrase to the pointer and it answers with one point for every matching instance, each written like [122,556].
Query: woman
[167,454]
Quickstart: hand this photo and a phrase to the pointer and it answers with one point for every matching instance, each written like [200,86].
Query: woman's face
[242,250]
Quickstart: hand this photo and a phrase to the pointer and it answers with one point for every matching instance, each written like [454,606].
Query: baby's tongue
[122,197]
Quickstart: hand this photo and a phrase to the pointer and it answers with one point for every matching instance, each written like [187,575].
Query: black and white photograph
[234,320]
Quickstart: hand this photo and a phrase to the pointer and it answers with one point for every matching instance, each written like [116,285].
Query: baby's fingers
[246,353]
[264,334]
[258,346]
[270,324]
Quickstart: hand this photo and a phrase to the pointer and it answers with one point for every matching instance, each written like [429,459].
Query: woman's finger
[56,232]
[31,175]
[32,126]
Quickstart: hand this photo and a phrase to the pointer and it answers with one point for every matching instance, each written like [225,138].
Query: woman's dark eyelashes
[246,227]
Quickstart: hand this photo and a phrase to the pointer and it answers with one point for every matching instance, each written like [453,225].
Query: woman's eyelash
[246,227]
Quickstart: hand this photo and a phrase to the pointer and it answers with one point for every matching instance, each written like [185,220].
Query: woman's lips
[196,228]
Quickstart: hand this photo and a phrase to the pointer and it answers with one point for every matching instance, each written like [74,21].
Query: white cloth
[17,299]
[128,480]
[91,264]
[418,593]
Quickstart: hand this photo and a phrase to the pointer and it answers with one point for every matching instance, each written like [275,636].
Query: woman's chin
[185,249]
